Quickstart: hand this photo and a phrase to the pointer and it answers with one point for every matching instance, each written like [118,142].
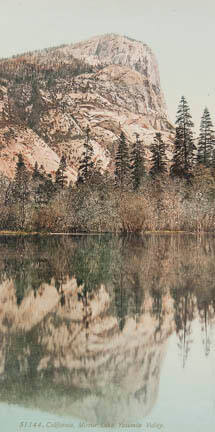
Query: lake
[107,333]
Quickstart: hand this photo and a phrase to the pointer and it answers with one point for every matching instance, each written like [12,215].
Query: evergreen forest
[160,193]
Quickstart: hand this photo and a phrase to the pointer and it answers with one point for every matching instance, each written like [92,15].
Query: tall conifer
[183,157]
[20,190]
[86,165]
[122,163]
[158,158]
[60,177]
[206,140]
[137,163]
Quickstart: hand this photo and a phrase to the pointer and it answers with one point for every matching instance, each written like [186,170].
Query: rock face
[48,98]
[127,53]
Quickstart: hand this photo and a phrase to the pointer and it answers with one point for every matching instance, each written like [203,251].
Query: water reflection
[84,321]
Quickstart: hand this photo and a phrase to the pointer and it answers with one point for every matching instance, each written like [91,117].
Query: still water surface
[107,333]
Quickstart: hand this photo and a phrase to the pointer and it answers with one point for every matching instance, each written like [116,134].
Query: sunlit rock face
[132,56]
[45,111]
[17,137]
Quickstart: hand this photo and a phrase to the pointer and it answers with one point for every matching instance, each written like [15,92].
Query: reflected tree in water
[125,271]
[184,308]
[206,308]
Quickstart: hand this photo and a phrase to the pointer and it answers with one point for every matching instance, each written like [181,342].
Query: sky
[180,33]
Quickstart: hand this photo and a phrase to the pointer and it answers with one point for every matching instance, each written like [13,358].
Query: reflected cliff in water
[85,320]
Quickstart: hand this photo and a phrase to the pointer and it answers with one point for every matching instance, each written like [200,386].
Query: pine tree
[21,178]
[20,190]
[86,165]
[45,191]
[206,140]
[122,164]
[183,158]
[137,163]
[37,174]
[158,159]
[36,171]
[60,177]
[213,159]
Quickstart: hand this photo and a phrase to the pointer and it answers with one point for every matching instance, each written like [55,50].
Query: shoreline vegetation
[77,234]
[136,195]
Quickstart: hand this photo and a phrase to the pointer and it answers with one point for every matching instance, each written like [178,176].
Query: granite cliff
[48,98]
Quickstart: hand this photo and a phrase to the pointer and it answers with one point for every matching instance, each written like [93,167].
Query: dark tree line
[131,170]
[130,166]
[187,154]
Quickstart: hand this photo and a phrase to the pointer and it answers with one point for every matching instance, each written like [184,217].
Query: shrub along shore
[164,204]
